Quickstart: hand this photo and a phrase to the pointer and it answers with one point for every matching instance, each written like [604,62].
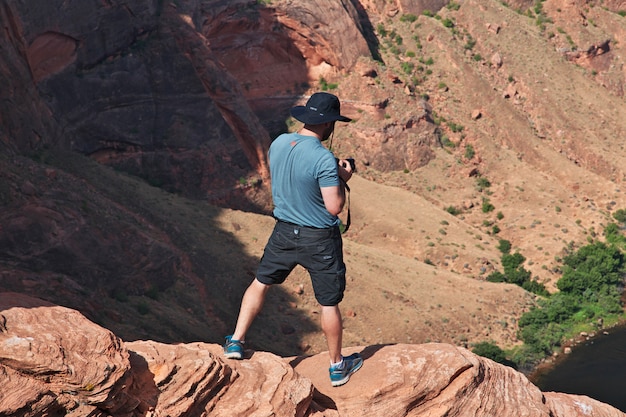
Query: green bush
[453,5]
[514,272]
[590,288]
[591,268]
[504,246]
[614,235]
[620,215]
[380,28]
[449,23]
[490,351]
[482,183]
[542,339]
[487,206]
[469,45]
[496,276]
[407,67]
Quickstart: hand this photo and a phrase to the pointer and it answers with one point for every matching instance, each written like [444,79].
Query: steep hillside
[516,107]
[131,147]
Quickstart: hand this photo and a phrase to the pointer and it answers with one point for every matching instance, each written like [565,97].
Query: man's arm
[335,197]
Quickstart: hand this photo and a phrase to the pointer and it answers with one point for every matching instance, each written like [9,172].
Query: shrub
[453,5]
[496,277]
[380,28]
[620,216]
[504,246]
[408,18]
[515,273]
[445,141]
[407,67]
[456,128]
[487,206]
[590,289]
[482,183]
[614,235]
[470,44]
[490,351]
[591,268]
[449,23]
[325,85]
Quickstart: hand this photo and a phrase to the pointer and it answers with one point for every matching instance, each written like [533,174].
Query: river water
[596,368]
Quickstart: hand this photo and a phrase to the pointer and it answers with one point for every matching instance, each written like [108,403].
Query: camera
[351,161]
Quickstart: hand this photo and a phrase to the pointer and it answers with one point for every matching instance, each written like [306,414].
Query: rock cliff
[55,361]
[170,92]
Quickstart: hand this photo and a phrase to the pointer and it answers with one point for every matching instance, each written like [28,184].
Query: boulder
[55,361]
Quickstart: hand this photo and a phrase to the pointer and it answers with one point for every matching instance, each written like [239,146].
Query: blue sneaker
[351,364]
[233,349]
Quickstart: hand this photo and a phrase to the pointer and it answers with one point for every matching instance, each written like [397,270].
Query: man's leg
[333,330]
[341,368]
[251,305]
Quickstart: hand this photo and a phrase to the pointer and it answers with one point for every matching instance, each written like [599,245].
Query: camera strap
[343,227]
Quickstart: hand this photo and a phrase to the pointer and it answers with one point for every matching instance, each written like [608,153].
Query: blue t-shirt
[299,166]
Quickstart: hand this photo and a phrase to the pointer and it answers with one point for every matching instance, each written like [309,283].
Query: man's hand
[345,169]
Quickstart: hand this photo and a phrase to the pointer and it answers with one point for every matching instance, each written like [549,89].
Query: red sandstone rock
[54,360]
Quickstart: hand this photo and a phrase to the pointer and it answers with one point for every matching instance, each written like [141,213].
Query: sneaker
[233,349]
[351,364]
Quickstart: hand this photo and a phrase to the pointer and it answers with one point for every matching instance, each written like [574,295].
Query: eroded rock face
[53,360]
[173,93]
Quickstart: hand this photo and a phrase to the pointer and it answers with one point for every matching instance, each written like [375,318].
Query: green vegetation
[407,67]
[325,85]
[408,18]
[456,129]
[471,42]
[487,206]
[514,272]
[620,216]
[504,246]
[491,351]
[453,5]
[590,291]
[482,183]
[380,28]
[448,23]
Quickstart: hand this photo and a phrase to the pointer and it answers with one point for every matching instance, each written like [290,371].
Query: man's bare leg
[332,327]
[251,305]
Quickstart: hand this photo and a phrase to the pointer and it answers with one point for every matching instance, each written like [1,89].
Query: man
[308,190]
